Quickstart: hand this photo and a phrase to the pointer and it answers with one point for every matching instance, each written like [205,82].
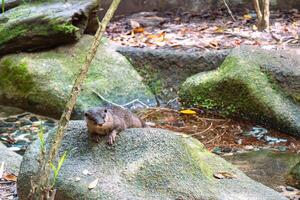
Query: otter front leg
[112,137]
[96,137]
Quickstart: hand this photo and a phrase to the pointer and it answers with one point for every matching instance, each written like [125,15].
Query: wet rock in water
[24,122]
[11,159]
[293,177]
[33,119]
[48,77]
[251,83]
[11,119]
[38,25]
[143,164]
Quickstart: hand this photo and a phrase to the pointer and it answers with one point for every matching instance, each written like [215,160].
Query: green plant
[57,169]
[43,151]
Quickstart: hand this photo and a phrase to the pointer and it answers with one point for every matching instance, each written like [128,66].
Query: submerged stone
[142,164]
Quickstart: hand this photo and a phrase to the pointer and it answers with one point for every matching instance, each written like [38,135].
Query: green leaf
[3,6]
[61,160]
[41,137]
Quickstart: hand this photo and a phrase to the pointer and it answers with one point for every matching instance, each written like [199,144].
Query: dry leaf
[224,175]
[138,30]
[254,27]
[10,177]
[188,112]
[247,17]
[93,184]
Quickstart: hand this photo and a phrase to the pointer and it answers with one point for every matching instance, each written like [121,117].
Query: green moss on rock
[243,88]
[294,176]
[15,76]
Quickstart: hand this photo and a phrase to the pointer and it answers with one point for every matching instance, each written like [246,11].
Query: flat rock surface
[142,164]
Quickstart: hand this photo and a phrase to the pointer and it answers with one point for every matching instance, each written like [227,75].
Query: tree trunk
[42,188]
[262,8]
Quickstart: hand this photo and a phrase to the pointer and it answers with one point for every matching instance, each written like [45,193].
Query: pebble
[248,147]
[24,122]
[33,119]
[289,188]
[11,119]
[226,150]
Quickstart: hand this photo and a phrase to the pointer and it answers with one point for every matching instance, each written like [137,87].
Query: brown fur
[103,121]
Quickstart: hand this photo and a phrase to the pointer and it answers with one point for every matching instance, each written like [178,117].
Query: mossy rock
[293,177]
[41,82]
[142,164]
[255,84]
[43,24]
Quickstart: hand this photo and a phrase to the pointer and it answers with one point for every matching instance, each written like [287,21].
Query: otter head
[97,115]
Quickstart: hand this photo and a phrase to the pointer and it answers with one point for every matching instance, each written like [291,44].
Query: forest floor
[205,31]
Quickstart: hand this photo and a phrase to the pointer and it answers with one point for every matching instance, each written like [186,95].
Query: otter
[110,121]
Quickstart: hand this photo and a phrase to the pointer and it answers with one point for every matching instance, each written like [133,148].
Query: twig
[118,105]
[229,11]
[106,100]
[218,136]
[202,131]
[135,100]
[1,169]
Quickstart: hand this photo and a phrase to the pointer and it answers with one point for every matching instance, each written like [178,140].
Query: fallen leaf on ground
[10,177]
[188,112]
[93,184]
[224,175]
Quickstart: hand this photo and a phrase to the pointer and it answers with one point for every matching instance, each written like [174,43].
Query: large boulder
[165,70]
[43,24]
[11,160]
[293,177]
[252,83]
[41,82]
[142,164]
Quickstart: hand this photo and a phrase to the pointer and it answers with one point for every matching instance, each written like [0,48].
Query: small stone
[239,141]
[25,122]
[11,119]
[217,150]
[36,123]
[50,121]
[282,148]
[289,188]
[22,115]
[33,119]
[6,124]
[248,147]
[226,150]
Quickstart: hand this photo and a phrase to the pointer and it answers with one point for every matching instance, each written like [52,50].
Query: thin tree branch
[229,11]
[44,176]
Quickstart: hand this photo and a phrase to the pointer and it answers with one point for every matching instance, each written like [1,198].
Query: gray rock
[142,164]
[165,70]
[43,24]
[251,83]
[41,82]
[11,160]
[293,177]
